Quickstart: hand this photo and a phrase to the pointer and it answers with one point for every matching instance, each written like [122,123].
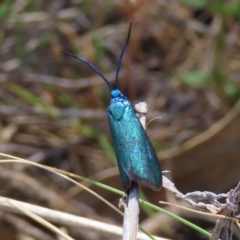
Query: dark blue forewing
[136,156]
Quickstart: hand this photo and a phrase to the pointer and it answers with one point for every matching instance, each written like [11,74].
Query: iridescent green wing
[137,159]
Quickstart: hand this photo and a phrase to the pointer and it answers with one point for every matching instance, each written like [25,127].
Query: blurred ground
[183,60]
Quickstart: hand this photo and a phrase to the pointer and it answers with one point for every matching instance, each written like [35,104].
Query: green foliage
[5,8]
[195,3]
[107,147]
[31,98]
[232,91]
[232,8]
[223,7]
[195,79]
[86,6]
[198,79]
[216,76]
[67,100]
[158,146]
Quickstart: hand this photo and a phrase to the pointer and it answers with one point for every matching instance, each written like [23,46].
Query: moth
[136,157]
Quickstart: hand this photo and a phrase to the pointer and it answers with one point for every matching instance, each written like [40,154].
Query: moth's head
[116,93]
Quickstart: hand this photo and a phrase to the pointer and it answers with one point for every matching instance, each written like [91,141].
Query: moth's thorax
[118,104]
[118,97]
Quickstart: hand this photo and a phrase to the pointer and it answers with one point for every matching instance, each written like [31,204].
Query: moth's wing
[137,159]
[121,149]
[145,168]
[152,176]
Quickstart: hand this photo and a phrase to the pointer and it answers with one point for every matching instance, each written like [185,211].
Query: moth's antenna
[121,55]
[92,66]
